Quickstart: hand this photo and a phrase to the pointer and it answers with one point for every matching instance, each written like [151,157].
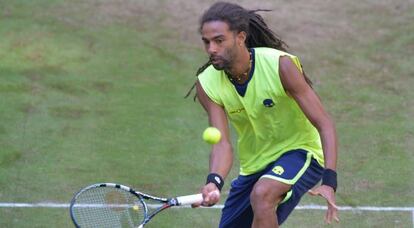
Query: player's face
[220,43]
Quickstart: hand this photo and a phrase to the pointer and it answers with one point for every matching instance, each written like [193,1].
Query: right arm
[221,157]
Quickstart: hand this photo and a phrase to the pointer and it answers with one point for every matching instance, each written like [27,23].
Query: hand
[328,193]
[211,195]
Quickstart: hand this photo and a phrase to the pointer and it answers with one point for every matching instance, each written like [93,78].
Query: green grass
[93,91]
[30,217]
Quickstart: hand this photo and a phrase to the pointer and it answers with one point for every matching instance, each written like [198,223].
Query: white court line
[300,207]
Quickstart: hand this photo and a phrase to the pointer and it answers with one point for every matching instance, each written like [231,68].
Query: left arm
[295,85]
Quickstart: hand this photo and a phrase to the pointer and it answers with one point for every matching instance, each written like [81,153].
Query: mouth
[215,60]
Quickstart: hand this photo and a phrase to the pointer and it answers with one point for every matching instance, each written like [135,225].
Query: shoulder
[274,56]
[212,82]
[208,76]
[291,75]
[209,73]
[286,65]
[269,52]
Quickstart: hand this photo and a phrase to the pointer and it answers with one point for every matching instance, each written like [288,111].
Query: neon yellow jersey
[268,122]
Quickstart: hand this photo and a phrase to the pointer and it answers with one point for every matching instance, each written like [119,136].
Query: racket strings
[108,207]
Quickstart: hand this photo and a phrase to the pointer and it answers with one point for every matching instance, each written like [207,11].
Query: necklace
[242,76]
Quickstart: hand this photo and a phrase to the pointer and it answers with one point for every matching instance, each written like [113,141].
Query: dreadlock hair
[242,20]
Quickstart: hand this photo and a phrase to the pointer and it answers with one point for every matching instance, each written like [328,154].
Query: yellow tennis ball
[211,135]
[135,207]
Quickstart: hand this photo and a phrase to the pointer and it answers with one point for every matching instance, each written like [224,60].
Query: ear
[241,38]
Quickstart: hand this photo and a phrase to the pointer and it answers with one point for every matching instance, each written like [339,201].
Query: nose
[212,48]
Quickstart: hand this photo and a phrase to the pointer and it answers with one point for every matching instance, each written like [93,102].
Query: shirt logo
[278,170]
[217,179]
[268,103]
[237,111]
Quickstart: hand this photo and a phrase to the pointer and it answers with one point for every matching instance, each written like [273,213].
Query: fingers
[331,213]
[329,195]
[334,213]
[211,195]
[330,198]
[195,205]
[313,193]
[331,202]
[211,198]
[328,216]
[336,217]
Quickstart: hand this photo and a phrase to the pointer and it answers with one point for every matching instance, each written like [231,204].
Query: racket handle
[190,199]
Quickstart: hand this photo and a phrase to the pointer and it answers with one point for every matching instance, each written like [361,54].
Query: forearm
[329,145]
[221,159]
[327,133]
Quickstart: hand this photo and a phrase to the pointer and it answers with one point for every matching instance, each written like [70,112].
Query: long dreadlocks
[242,20]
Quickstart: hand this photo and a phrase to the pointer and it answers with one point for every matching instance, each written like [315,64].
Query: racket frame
[166,202]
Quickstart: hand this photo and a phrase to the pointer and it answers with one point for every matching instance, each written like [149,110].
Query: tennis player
[286,140]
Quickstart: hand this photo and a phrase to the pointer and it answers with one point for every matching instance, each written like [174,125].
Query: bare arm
[296,86]
[221,157]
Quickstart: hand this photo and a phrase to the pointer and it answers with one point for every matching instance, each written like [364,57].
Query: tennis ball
[135,207]
[211,135]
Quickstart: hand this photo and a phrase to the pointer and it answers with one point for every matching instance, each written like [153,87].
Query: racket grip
[190,199]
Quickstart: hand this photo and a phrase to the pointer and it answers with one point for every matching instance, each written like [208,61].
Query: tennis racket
[115,205]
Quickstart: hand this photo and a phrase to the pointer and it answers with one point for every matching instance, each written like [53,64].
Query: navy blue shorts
[296,168]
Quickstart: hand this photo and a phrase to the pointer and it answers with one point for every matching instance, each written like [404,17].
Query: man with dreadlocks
[286,140]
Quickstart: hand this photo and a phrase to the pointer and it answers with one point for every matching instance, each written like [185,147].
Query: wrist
[329,178]
[216,179]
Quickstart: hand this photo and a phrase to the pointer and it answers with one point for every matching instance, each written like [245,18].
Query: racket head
[108,205]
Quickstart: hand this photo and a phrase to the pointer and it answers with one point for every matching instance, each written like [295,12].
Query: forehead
[214,28]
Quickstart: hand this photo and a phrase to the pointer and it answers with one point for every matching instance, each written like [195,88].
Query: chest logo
[268,103]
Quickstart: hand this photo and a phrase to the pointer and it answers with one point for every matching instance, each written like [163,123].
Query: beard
[220,63]
[225,61]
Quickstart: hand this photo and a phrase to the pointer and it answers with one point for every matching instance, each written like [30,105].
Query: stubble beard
[226,61]
[223,65]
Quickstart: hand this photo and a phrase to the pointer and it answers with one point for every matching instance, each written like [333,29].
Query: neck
[240,69]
